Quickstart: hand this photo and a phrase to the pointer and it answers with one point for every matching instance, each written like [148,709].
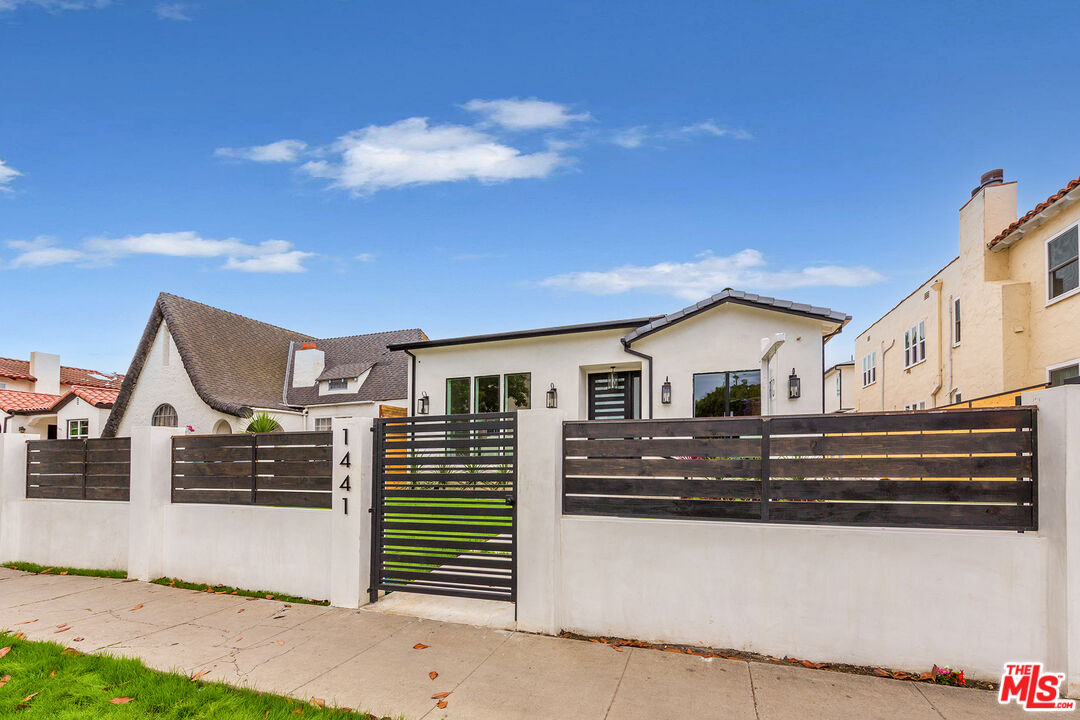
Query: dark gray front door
[618,401]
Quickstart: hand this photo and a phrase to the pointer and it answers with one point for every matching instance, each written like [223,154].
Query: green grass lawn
[45,680]
[55,570]
[229,590]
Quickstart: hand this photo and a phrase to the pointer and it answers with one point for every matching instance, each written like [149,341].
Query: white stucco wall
[259,548]
[44,533]
[79,409]
[726,338]
[349,410]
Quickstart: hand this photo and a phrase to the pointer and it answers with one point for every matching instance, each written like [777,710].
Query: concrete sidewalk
[365,659]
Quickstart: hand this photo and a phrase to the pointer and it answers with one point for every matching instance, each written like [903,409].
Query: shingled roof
[352,356]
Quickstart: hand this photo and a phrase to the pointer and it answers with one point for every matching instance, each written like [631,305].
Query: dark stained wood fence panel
[290,469]
[972,468]
[91,469]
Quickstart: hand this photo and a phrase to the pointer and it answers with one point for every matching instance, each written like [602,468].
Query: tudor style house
[999,318]
[42,397]
[732,354]
[209,369]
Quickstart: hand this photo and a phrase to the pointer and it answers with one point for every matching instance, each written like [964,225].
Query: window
[164,416]
[487,394]
[916,406]
[727,393]
[457,396]
[1058,376]
[518,391]
[1062,262]
[78,429]
[915,344]
[957,397]
[956,322]
[323,424]
[869,368]
[338,384]
[838,384]
[3,385]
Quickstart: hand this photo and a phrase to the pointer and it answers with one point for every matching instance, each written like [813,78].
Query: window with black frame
[720,394]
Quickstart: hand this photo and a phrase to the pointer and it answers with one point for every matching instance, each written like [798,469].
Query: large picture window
[1063,263]
[487,393]
[457,396]
[719,394]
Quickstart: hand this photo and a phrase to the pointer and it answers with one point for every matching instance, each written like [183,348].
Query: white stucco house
[734,353]
[840,387]
[209,369]
[42,397]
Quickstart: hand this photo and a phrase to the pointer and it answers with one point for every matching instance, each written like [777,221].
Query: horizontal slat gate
[286,469]
[444,517]
[91,469]
[945,469]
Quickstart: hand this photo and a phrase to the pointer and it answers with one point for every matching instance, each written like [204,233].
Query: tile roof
[98,397]
[237,364]
[1073,184]
[741,298]
[350,357]
[20,370]
[16,401]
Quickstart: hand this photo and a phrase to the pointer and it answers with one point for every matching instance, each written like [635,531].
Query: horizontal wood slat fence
[974,469]
[287,469]
[444,505]
[92,469]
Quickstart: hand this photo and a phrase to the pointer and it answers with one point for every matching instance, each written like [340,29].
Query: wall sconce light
[612,381]
[794,386]
[665,391]
[423,404]
[552,397]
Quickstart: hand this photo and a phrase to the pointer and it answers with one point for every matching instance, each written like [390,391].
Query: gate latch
[510,500]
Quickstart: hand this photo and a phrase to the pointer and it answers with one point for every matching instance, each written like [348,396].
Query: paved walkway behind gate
[365,659]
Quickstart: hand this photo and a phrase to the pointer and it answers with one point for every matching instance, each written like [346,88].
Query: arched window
[164,416]
[222,428]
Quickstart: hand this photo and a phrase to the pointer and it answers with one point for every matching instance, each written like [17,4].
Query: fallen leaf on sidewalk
[441,704]
[318,702]
[62,625]
[27,622]
[19,636]
[280,642]
[137,607]
[63,629]
[64,572]
[241,610]
[433,674]
[439,696]
[814,665]
[239,639]
[419,646]
[927,676]
[616,648]
[5,651]
[674,650]
[900,676]
[199,674]
[882,673]
[78,639]
[120,700]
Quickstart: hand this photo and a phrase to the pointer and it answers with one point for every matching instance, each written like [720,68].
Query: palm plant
[262,422]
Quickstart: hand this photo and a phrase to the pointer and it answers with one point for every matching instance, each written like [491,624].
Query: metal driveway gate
[443,516]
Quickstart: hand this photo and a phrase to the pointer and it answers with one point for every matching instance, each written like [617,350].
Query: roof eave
[526,334]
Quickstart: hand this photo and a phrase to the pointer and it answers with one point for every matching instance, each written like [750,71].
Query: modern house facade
[1000,317]
[42,397]
[840,382]
[733,354]
[209,369]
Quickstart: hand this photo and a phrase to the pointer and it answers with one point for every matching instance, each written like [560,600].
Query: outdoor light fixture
[794,386]
[665,391]
[612,380]
[552,397]
[422,404]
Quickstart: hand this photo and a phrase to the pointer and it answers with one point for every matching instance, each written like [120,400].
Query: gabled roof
[738,297]
[98,397]
[352,356]
[17,401]
[235,363]
[1034,212]
[20,370]
[519,334]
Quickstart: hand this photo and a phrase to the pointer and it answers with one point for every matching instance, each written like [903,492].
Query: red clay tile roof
[20,370]
[1073,184]
[98,397]
[17,401]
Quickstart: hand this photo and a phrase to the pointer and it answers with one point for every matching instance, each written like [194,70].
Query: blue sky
[337,166]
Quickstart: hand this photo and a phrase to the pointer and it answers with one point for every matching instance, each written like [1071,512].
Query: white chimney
[46,368]
[308,364]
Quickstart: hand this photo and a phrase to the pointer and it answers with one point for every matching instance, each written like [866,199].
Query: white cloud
[642,135]
[413,152]
[275,152]
[282,262]
[172,11]
[525,114]
[54,5]
[271,256]
[632,137]
[698,279]
[40,252]
[710,127]
[7,174]
[365,257]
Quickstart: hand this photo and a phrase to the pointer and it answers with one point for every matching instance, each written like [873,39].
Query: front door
[618,400]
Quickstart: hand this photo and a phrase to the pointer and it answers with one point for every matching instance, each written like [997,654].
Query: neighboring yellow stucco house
[1002,316]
